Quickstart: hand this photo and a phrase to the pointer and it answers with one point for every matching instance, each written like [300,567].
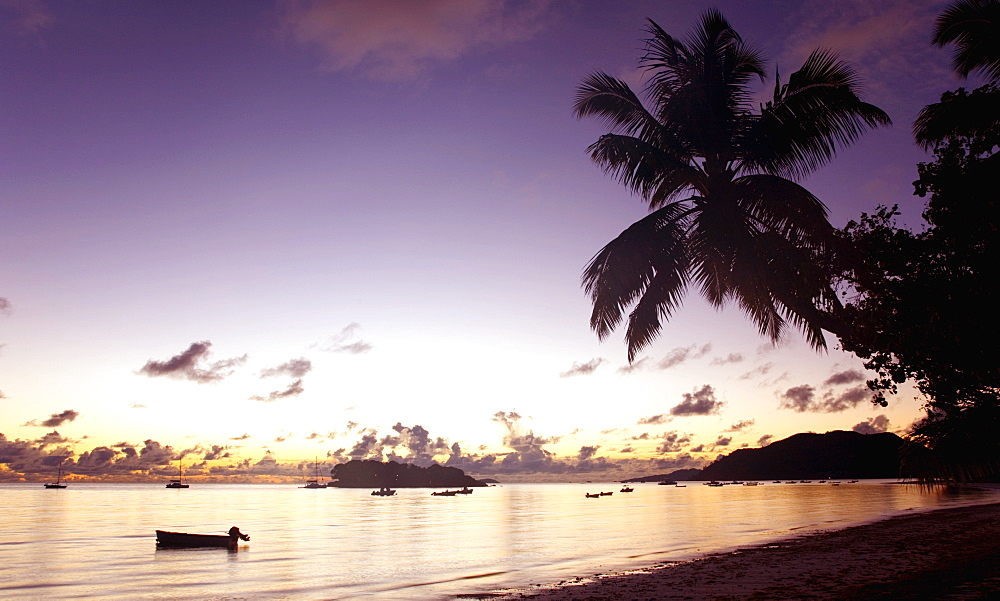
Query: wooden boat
[383,492]
[58,482]
[465,491]
[166,538]
[444,493]
[626,488]
[593,495]
[607,494]
[179,482]
[667,482]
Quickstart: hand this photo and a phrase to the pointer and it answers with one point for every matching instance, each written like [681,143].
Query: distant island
[836,454]
[376,474]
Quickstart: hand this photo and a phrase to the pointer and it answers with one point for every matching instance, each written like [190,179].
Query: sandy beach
[945,554]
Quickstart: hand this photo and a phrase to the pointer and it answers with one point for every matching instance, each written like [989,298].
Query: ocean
[97,541]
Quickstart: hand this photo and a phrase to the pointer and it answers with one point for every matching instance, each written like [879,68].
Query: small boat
[835,484]
[680,485]
[165,538]
[714,483]
[667,482]
[314,483]
[593,495]
[58,482]
[751,483]
[179,482]
[383,492]
[444,493]
[626,488]
[465,491]
[607,494]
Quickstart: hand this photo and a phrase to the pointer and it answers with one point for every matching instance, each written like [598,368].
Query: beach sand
[944,554]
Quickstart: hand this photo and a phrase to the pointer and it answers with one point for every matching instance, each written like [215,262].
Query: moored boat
[593,495]
[58,483]
[179,481]
[444,493]
[165,538]
[626,488]
[383,492]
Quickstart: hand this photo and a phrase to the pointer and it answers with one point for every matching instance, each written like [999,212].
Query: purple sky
[283,225]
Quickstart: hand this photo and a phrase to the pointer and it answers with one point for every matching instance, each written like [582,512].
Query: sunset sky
[243,227]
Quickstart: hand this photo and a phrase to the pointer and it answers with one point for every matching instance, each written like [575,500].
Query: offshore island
[376,474]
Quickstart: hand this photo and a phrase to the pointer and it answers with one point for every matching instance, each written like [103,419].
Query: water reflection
[97,541]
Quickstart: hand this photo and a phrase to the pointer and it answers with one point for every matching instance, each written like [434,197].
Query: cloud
[803,399]
[760,370]
[244,436]
[634,366]
[582,369]
[293,390]
[55,420]
[728,359]
[700,402]
[586,452]
[346,341]
[5,306]
[765,440]
[295,368]
[683,353]
[798,398]
[28,18]
[659,418]
[723,441]
[849,376]
[400,40]
[873,425]
[53,437]
[192,364]
[671,442]
[741,425]
[135,405]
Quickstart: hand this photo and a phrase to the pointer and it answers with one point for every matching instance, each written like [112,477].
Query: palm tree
[974,27]
[726,214]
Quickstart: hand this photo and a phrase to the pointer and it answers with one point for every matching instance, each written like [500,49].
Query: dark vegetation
[728,217]
[376,474]
[837,454]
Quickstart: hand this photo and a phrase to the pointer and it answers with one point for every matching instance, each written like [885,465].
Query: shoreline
[951,553]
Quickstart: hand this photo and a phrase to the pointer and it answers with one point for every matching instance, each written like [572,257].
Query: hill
[837,454]
[375,474]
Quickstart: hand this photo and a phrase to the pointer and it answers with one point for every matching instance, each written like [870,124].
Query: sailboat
[57,483]
[179,482]
[314,483]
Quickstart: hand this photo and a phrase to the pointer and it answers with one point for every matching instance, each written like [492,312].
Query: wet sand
[944,554]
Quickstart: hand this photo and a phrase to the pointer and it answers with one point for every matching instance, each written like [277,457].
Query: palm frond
[782,206]
[974,27]
[656,173]
[661,298]
[614,103]
[621,271]
[810,117]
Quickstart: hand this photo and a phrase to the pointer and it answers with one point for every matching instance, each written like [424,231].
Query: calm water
[96,541]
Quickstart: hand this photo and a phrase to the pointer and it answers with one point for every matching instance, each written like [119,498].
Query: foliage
[924,305]
[973,26]
[726,214]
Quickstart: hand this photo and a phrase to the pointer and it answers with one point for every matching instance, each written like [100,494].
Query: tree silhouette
[726,213]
